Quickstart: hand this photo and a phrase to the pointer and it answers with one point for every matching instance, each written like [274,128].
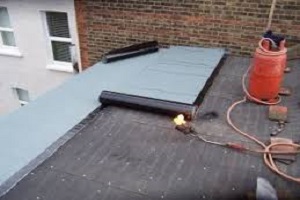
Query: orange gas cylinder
[267,71]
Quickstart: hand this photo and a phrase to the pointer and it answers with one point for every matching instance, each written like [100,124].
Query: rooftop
[34,132]
[118,153]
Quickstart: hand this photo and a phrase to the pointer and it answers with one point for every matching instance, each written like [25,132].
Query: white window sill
[61,67]
[14,52]
[23,103]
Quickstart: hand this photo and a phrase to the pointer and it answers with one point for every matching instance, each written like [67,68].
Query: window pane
[58,24]
[61,51]
[22,94]
[4,18]
[8,38]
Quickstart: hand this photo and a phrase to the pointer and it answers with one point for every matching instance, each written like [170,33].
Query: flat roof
[33,132]
[118,153]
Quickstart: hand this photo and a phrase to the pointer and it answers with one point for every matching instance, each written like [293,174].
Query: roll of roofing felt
[147,104]
[131,51]
[133,47]
[122,56]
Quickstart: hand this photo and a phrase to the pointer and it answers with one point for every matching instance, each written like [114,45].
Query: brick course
[234,24]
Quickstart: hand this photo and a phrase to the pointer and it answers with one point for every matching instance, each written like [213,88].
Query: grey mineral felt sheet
[177,74]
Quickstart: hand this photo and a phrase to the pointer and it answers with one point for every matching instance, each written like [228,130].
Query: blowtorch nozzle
[186,128]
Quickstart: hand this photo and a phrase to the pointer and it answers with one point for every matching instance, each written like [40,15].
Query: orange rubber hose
[266,150]
[270,53]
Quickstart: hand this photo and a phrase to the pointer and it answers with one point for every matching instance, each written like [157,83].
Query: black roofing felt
[128,154]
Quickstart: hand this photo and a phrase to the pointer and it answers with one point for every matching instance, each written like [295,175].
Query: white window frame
[5,49]
[57,65]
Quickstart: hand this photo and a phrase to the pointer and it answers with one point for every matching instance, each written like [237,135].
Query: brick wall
[234,24]
[81,19]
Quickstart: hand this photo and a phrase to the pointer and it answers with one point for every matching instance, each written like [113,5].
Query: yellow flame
[179,120]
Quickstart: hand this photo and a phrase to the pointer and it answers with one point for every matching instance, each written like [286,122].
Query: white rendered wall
[29,71]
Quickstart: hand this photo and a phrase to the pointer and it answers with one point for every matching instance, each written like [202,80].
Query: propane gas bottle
[267,71]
